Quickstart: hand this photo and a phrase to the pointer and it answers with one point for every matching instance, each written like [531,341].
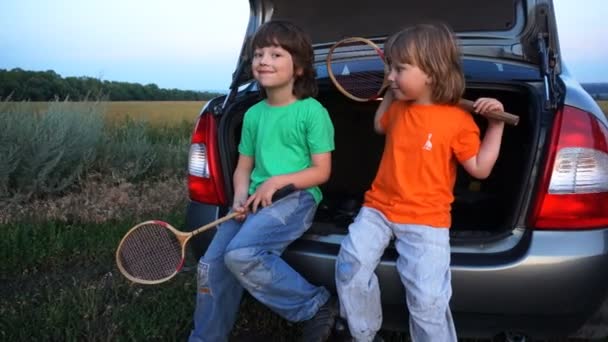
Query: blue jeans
[247,255]
[423,266]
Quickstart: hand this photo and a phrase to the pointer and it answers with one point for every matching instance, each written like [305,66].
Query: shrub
[45,153]
[44,150]
[125,151]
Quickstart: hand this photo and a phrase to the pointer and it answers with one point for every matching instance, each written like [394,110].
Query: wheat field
[604,105]
[163,113]
[156,113]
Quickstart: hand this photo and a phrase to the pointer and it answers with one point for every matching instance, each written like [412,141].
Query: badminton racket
[363,81]
[153,252]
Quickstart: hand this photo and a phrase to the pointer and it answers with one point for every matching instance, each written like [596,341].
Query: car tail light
[574,187]
[205,181]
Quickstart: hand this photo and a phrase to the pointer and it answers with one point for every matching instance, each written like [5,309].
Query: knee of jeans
[238,260]
[346,267]
[428,302]
[248,266]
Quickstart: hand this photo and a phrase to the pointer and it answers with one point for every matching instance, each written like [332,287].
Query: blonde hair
[433,49]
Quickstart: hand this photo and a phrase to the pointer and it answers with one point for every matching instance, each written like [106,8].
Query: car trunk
[482,209]
[510,52]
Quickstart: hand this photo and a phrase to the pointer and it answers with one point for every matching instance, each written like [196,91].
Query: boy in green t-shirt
[286,139]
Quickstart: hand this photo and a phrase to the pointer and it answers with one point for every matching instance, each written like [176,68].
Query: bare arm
[382,108]
[317,173]
[480,166]
[241,179]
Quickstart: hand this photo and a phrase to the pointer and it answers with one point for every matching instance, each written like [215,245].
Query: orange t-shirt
[415,180]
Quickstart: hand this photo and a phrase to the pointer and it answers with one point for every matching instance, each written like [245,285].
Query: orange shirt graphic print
[428,145]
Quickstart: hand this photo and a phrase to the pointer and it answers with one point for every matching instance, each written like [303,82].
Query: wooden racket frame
[467,105]
[330,72]
[182,237]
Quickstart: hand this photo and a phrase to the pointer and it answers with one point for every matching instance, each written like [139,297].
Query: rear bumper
[548,284]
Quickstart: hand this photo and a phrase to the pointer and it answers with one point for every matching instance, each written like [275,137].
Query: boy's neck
[280,96]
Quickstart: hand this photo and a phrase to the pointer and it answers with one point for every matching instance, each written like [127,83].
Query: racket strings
[151,252]
[364,84]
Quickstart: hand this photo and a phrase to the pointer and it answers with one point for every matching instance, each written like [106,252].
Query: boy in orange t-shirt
[427,134]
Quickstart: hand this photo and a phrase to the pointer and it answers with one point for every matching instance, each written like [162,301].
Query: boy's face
[273,67]
[410,83]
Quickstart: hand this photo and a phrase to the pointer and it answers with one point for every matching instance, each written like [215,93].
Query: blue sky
[193,44]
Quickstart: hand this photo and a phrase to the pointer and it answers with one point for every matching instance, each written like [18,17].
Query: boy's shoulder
[454,112]
[458,111]
[310,104]
[254,112]
[260,105]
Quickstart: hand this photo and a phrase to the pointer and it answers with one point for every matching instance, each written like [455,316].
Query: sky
[194,44]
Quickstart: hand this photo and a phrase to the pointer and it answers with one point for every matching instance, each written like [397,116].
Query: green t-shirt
[282,139]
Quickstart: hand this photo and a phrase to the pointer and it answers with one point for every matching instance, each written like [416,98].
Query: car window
[473,69]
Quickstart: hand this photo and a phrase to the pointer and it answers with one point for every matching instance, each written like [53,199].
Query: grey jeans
[424,269]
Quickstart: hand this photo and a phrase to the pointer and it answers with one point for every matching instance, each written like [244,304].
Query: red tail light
[205,181]
[574,187]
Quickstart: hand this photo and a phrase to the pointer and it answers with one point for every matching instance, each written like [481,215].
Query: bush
[45,153]
[135,150]
[125,151]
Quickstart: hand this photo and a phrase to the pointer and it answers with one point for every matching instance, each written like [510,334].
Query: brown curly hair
[293,39]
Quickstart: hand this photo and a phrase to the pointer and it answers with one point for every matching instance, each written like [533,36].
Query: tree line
[598,91]
[22,85]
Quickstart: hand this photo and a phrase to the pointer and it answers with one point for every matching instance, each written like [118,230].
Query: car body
[530,253]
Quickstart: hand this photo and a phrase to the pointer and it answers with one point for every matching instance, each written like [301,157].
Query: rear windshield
[475,69]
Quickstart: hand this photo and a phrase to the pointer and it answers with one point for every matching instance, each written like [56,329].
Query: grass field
[604,105]
[60,283]
[157,113]
[58,275]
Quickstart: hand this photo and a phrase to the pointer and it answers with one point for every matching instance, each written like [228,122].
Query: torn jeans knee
[202,279]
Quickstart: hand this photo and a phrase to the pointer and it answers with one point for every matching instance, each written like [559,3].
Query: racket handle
[215,223]
[508,118]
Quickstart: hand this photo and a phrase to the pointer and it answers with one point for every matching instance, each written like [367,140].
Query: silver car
[529,243]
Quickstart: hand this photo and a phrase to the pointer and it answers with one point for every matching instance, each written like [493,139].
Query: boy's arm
[382,108]
[241,179]
[481,165]
[317,173]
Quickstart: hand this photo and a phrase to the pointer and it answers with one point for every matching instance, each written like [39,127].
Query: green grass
[56,245]
[96,306]
[59,282]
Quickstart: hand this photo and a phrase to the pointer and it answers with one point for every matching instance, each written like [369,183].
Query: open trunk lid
[519,30]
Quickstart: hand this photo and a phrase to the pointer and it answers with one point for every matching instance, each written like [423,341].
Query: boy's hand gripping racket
[367,85]
[153,252]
